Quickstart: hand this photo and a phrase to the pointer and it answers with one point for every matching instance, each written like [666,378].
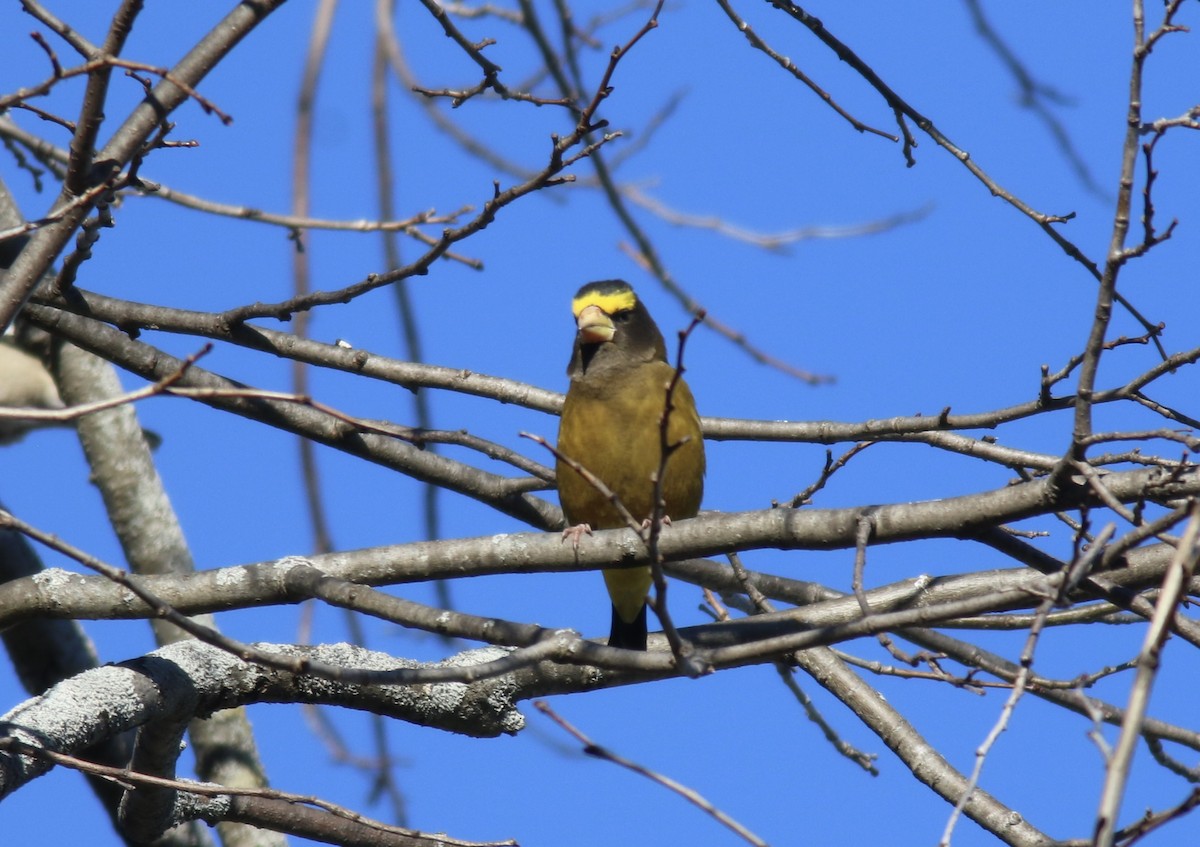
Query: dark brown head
[614,330]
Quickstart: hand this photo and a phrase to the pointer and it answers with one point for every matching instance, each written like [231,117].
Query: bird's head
[612,327]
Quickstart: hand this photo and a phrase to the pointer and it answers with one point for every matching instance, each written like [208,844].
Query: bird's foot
[666,521]
[575,533]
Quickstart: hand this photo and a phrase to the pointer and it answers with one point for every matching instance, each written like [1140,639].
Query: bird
[24,383]
[611,425]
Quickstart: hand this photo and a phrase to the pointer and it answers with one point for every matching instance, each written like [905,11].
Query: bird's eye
[623,317]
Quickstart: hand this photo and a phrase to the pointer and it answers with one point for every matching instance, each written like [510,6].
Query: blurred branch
[1034,96]
[778,242]
[318,41]
[409,325]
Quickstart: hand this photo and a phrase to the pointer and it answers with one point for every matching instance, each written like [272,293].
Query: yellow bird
[611,425]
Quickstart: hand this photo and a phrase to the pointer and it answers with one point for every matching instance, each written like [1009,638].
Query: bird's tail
[631,635]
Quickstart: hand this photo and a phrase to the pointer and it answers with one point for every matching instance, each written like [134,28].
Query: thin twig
[591,748]
[689,660]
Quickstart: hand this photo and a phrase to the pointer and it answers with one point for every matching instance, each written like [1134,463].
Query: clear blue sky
[958,309]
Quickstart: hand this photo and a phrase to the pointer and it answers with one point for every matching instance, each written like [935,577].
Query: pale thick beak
[595,327]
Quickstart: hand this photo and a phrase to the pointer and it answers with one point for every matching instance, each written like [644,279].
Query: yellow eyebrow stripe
[609,302]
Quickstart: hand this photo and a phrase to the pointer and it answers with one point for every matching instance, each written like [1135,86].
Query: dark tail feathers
[631,635]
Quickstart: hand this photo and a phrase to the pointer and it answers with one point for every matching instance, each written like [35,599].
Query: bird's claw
[575,533]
